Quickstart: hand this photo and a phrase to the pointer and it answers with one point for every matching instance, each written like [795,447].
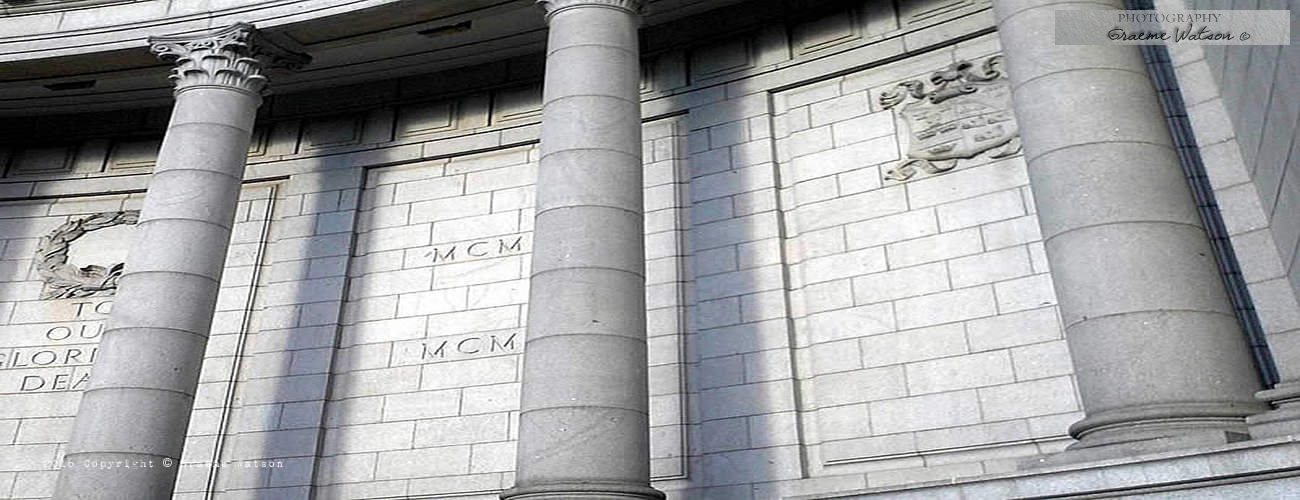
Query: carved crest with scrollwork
[964,111]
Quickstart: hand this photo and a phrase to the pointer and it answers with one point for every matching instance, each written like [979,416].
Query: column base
[584,491]
[1151,429]
[1284,418]
[1074,455]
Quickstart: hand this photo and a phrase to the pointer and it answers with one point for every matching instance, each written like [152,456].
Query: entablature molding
[553,6]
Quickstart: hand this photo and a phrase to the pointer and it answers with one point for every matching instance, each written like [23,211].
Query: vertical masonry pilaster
[138,404]
[584,422]
[1159,358]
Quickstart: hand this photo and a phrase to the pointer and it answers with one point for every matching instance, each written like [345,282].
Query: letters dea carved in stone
[64,280]
[963,112]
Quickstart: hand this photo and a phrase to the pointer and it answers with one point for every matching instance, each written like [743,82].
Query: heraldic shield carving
[963,112]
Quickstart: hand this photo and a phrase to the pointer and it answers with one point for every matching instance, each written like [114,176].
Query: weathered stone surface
[812,325]
[584,369]
[1086,111]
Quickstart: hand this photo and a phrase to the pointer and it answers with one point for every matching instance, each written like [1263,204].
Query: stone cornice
[553,6]
[230,57]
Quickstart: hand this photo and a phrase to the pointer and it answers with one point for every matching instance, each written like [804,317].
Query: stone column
[137,406]
[584,427]
[1160,360]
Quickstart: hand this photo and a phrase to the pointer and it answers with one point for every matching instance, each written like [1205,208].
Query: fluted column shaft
[137,406]
[584,423]
[1159,357]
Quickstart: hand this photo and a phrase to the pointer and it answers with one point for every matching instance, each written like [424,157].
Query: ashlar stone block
[917,413]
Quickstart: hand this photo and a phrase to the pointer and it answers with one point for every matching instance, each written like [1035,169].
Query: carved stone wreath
[65,280]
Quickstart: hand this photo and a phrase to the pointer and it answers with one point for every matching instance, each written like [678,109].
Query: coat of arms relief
[963,112]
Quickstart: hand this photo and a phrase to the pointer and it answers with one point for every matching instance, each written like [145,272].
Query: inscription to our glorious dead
[51,345]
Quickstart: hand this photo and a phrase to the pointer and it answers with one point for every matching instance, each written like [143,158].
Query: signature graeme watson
[1191,33]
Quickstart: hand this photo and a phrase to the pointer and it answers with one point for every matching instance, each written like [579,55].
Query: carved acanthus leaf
[231,57]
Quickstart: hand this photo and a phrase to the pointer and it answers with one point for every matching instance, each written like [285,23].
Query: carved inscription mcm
[963,111]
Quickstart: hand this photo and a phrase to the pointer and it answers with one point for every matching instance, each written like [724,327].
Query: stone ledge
[1274,464]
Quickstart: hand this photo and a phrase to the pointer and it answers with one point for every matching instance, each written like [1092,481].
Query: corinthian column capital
[232,57]
[553,6]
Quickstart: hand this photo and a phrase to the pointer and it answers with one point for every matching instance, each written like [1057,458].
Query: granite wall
[47,345]
[820,320]
[1244,103]
[1261,97]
